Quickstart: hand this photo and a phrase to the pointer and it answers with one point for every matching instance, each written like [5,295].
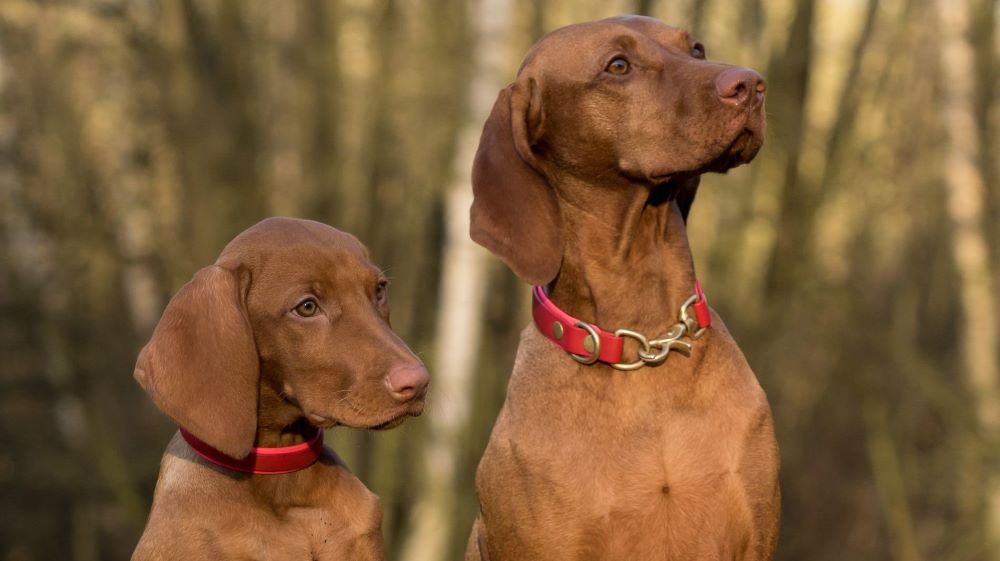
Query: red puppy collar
[260,460]
[577,337]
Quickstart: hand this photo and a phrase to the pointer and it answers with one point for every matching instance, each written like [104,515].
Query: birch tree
[966,194]
[462,293]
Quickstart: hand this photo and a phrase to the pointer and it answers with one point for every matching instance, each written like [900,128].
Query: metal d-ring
[594,356]
[645,350]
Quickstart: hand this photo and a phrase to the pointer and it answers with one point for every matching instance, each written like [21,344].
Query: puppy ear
[201,366]
[514,211]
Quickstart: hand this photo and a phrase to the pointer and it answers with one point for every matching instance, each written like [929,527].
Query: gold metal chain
[679,337]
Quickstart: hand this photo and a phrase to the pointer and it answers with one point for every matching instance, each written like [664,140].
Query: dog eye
[698,51]
[617,66]
[307,308]
[382,290]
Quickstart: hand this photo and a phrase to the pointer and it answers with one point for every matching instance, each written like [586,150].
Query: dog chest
[637,494]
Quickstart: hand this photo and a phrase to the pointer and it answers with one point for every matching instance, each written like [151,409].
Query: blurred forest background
[856,260]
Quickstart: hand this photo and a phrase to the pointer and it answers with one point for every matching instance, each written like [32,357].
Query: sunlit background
[855,260]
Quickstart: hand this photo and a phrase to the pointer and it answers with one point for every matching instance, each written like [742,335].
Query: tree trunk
[789,73]
[965,192]
[462,296]
[888,474]
[644,7]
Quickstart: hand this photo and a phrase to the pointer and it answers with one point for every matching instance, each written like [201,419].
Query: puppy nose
[737,86]
[407,382]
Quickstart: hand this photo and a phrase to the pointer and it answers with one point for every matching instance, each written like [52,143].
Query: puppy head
[624,98]
[293,304]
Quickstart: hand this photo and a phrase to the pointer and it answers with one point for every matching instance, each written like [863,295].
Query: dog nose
[736,86]
[407,382]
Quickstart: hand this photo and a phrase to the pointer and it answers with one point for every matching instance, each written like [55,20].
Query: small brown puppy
[657,444]
[288,331]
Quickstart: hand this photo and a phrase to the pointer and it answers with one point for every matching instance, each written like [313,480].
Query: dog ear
[686,192]
[201,366]
[514,213]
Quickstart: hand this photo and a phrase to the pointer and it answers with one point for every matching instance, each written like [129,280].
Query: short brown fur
[234,363]
[582,182]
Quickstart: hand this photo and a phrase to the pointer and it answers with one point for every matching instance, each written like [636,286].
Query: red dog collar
[570,333]
[582,339]
[260,460]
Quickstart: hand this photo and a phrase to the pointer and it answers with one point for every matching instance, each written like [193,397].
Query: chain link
[655,351]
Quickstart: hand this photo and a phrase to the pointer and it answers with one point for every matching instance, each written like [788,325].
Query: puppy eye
[618,66]
[382,291]
[698,51]
[307,308]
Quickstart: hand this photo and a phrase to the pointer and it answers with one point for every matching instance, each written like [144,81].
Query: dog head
[292,304]
[626,100]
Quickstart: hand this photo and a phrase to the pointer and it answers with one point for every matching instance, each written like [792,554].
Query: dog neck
[279,420]
[627,262]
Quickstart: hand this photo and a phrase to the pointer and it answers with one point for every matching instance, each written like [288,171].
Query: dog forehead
[300,244]
[566,43]
[294,232]
[651,27]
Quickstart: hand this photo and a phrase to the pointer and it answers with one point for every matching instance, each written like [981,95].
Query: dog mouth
[392,422]
[741,150]
[321,421]
[741,143]
[413,409]
[361,418]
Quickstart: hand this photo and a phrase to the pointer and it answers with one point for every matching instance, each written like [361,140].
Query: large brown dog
[288,331]
[585,172]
